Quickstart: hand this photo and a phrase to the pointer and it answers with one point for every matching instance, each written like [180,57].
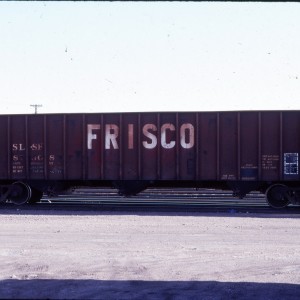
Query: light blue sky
[132,56]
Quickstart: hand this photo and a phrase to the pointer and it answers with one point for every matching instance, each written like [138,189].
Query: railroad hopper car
[241,151]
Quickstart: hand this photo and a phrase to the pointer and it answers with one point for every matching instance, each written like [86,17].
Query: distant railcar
[242,151]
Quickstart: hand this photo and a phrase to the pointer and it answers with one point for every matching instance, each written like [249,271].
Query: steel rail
[159,200]
[180,199]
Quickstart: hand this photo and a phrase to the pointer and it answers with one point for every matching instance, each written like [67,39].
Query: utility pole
[35,107]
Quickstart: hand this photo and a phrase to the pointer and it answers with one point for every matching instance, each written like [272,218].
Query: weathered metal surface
[4,150]
[252,146]
[249,149]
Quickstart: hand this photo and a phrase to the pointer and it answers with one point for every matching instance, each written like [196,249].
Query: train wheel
[277,196]
[36,196]
[20,193]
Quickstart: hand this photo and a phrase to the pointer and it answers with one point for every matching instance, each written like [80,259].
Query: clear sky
[141,56]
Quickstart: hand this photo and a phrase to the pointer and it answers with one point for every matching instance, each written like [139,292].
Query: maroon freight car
[241,151]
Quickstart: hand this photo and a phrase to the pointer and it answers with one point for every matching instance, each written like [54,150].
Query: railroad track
[178,200]
[157,197]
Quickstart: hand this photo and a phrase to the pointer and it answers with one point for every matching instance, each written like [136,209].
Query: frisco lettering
[150,138]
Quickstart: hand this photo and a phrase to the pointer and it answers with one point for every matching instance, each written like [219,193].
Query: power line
[35,107]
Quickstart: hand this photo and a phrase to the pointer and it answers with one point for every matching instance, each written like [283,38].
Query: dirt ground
[109,255]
